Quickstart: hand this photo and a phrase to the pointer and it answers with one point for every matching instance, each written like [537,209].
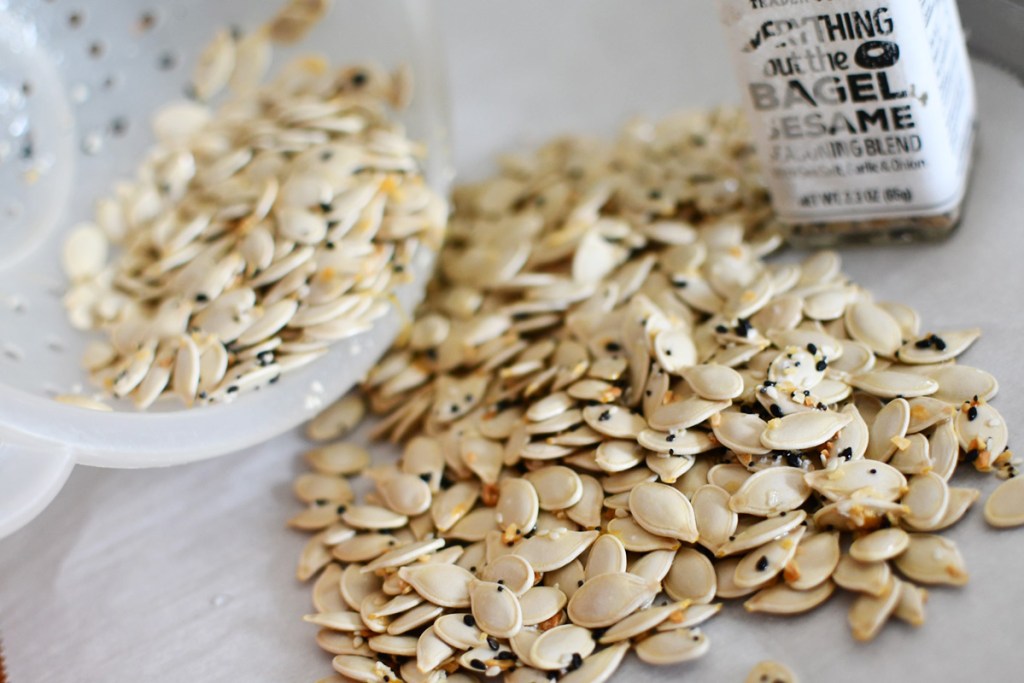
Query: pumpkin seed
[559,647]
[872,578]
[673,647]
[932,559]
[771,491]
[803,430]
[664,511]
[609,598]
[869,613]
[880,545]
[814,562]
[495,608]
[783,599]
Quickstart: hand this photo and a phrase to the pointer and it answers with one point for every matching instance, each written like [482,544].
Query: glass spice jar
[863,114]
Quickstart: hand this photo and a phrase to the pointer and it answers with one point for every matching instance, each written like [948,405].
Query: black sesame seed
[812,349]
[501,589]
[492,642]
[477,664]
[320,501]
[605,416]
[762,563]
[670,438]
[579,583]
[923,343]
[972,413]
[468,620]
[576,662]
[119,126]
[821,366]
[846,453]
[232,389]
[613,347]
[938,342]
[971,455]
[202,298]
[776,411]
[425,477]
[872,471]
[721,329]
[505,655]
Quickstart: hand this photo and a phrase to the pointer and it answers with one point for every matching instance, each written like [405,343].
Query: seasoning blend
[863,114]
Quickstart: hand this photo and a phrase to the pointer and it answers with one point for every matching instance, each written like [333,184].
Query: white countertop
[187,574]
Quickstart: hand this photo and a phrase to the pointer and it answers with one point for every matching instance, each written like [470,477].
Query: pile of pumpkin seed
[615,414]
[257,232]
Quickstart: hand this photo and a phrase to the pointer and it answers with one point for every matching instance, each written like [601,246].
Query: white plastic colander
[79,81]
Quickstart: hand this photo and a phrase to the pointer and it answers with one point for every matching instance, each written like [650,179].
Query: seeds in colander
[592,362]
[217,210]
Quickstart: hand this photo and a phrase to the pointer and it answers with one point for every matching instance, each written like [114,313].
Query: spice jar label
[861,110]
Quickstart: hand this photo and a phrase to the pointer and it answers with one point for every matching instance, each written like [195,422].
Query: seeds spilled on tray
[257,232]
[621,415]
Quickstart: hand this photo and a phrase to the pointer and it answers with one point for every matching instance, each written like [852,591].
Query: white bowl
[74,74]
